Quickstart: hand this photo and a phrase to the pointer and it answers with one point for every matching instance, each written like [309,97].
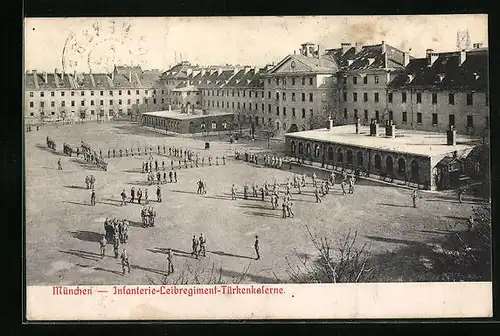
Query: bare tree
[266,131]
[343,263]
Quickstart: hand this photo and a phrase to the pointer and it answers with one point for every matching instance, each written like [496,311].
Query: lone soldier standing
[92,198]
[103,244]
[470,223]
[262,194]
[124,197]
[195,247]
[175,176]
[146,201]
[304,180]
[460,193]
[132,195]
[223,160]
[202,245]
[414,196]
[254,189]
[158,194]
[245,191]
[233,192]
[59,167]
[139,195]
[289,208]
[256,247]
[125,261]
[87,182]
[114,153]
[116,245]
[170,264]
[314,179]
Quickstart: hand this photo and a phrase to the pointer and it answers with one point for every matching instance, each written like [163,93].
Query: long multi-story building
[88,96]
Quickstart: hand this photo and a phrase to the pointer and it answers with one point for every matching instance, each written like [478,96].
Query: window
[136,91]
[32,114]
[376,97]
[52,93]
[52,113]
[128,92]
[470,121]
[277,95]
[269,94]
[345,113]
[137,101]
[102,93]
[238,105]
[376,79]
[269,81]
[31,104]
[434,119]
[62,94]
[451,119]
[403,97]
[262,94]
[365,80]
[434,98]
[365,116]
[111,113]
[249,105]
[31,94]
[303,81]
[214,125]
[293,96]
[311,81]
[218,104]
[42,104]
[82,93]
[389,97]
[303,96]
[91,93]
[354,96]
[311,114]
[82,103]
[277,110]
[52,104]
[293,112]
[284,95]
[102,102]
[277,125]
[419,97]
[111,102]
[354,80]
[250,94]
[419,118]
[344,94]
[91,103]
[145,91]
[311,97]
[41,94]
[451,99]
[284,111]
[293,80]
[377,116]
[391,115]
[72,93]
[63,103]
[269,108]
[110,93]
[303,113]
[365,97]
[243,93]
[355,113]
[72,103]
[92,112]
[469,99]
[277,81]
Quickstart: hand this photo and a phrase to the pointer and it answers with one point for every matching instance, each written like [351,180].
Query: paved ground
[62,230]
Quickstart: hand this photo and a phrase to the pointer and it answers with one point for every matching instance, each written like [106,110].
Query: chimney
[358,125]
[295,52]
[431,56]
[463,56]
[329,124]
[390,129]
[219,71]
[406,57]
[374,127]
[451,136]
[345,47]
[384,49]
[169,108]
[130,76]
[477,45]
[45,77]
[357,47]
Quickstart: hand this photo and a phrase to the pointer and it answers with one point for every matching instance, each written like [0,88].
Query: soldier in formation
[170,263]
[92,198]
[102,243]
[195,244]
[256,247]
[202,244]
[125,261]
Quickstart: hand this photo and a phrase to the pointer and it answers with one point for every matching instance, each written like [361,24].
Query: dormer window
[349,62]
[439,78]
[476,75]
[370,61]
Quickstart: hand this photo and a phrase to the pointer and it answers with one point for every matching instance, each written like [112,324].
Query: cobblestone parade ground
[63,230]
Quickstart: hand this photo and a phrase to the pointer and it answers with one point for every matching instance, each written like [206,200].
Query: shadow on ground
[88,236]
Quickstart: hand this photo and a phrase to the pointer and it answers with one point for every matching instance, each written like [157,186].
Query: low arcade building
[426,160]
[184,121]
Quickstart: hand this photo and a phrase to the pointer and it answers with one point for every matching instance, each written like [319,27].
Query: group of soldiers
[138,195]
[148,214]
[272,161]
[116,234]
[90,181]
[199,246]
[172,175]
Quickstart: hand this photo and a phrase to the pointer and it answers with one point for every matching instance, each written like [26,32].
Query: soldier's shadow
[88,236]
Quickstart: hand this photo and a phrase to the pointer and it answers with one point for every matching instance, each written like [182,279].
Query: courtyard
[63,230]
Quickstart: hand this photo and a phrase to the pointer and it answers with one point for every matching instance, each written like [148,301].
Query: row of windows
[282,81]
[434,98]
[82,93]
[376,80]
[404,117]
[101,102]
[223,93]
[83,114]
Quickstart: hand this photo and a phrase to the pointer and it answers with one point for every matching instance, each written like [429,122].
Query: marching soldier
[126,151]
[322,189]
[266,188]
[92,181]
[87,181]
[191,162]
[351,185]
[304,180]
[195,247]
[132,151]
[146,200]
[139,195]
[158,194]
[170,264]
[202,245]
[59,166]
[254,189]
[185,163]
[171,164]
[414,196]
[164,150]
[92,198]
[143,216]
[125,261]
[233,192]
[314,179]
[124,197]
[298,187]
[175,176]
[327,187]
[289,208]
[223,160]
[284,206]
[180,164]
[332,178]
[210,160]
[103,244]
[344,175]
[217,160]
[343,186]
[158,149]
[196,161]
[114,153]
[203,161]
[245,191]
[316,194]
[262,194]
[256,247]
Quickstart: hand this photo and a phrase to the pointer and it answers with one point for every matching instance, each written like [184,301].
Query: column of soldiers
[272,161]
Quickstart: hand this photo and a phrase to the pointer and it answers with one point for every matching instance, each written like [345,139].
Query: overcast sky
[155,43]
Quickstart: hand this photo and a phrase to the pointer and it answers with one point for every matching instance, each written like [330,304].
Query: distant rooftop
[406,141]
[176,114]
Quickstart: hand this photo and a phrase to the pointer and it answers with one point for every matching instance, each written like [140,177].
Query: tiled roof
[446,72]
[368,57]
[125,70]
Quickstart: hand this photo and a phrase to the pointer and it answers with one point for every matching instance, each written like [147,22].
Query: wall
[184,125]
